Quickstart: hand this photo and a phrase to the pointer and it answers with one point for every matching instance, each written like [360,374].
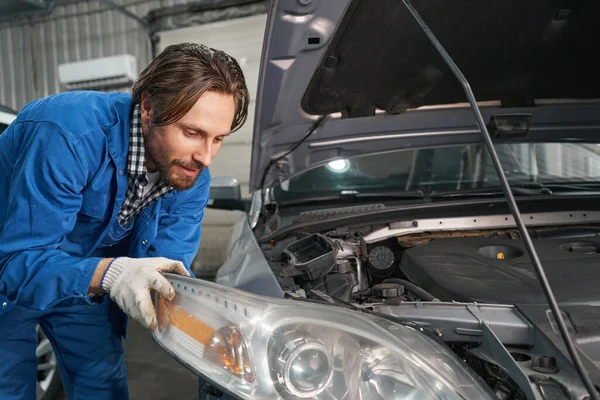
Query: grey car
[381,257]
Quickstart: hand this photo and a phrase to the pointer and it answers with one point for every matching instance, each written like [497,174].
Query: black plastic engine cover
[472,269]
[337,285]
[467,269]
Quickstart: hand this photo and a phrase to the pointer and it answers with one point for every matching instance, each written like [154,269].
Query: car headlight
[265,348]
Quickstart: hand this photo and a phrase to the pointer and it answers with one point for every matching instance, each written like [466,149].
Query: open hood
[369,67]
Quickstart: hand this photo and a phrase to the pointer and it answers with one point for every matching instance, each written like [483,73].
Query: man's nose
[203,153]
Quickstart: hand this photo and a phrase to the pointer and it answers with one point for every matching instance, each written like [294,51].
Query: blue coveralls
[63,178]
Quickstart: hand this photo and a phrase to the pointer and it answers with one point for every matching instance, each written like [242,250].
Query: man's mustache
[193,165]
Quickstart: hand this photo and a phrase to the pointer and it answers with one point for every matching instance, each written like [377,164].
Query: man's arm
[96,283]
[128,280]
[44,196]
[48,176]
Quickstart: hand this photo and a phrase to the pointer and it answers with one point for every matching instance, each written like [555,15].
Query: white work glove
[129,280]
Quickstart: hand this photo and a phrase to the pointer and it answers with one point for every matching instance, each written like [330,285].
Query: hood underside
[368,65]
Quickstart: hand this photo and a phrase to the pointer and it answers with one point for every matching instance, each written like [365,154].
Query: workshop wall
[30,51]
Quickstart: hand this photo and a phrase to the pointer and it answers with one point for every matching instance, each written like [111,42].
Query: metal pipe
[140,20]
[47,17]
[358,273]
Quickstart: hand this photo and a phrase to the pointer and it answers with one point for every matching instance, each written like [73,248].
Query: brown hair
[182,73]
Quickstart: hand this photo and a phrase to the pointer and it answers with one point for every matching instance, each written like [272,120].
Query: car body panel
[246,267]
[302,36]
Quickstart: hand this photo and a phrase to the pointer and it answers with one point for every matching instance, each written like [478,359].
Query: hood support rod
[511,202]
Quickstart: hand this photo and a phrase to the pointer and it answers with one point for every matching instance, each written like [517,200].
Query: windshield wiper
[550,187]
[487,139]
[354,195]
[522,189]
[392,195]
[485,192]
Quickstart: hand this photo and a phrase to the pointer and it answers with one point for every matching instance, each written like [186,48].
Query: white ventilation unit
[98,73]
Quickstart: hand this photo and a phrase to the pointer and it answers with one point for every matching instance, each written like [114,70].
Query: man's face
[180,151]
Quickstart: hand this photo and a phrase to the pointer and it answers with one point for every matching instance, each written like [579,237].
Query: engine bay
[489,266]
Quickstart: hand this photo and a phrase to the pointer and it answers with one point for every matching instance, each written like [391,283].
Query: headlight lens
[303,368]
[264,348]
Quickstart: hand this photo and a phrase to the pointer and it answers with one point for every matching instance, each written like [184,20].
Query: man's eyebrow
[199,129]
[192,127]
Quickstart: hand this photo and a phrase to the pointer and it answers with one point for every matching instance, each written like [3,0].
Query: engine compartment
[490,266]
[478,269]
[455,269]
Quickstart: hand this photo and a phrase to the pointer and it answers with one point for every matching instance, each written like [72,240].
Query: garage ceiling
[18,8]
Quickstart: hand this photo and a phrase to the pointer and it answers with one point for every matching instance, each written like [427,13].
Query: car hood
[369,67]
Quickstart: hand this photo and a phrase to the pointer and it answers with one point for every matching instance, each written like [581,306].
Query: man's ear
[146,110]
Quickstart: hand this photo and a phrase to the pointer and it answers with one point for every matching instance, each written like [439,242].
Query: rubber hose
[420,292]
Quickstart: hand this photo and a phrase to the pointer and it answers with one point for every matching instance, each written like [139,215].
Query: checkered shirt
[137,174]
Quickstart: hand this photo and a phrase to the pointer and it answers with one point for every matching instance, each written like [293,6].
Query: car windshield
[447,169]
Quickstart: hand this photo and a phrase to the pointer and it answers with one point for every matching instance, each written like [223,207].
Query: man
[101,193]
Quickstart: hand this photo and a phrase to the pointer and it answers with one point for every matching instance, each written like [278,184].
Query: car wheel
[48,376]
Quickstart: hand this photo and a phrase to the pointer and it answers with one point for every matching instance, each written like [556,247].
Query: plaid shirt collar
[137,174]
[136,160]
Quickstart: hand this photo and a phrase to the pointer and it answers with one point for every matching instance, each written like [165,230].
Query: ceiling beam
[44,4]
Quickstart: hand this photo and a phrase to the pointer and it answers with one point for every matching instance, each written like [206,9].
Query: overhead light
[339,166]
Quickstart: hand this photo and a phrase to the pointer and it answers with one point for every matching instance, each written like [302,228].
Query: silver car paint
[246,267]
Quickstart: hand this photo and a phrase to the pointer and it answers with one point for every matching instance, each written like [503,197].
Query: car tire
[48,376]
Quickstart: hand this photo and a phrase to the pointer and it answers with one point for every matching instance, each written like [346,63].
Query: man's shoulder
[79,111]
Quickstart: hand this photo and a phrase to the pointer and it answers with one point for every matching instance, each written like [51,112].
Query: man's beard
[168,172]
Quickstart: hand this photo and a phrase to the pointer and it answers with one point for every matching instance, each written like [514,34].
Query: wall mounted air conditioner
[98,73]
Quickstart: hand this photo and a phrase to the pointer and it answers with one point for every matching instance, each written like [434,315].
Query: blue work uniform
[63,178]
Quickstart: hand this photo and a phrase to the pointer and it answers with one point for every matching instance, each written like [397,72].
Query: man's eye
[191,133]
[219,139]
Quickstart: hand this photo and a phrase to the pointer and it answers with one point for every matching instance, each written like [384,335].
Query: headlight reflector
[304,368]
[265,348]
[226,348]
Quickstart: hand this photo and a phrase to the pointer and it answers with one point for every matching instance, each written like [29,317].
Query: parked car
[7,115]
[379,258]
[48,377]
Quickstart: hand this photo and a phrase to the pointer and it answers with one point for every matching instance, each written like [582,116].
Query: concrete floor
[152,373]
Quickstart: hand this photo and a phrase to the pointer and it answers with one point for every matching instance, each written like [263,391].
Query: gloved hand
[129,280]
